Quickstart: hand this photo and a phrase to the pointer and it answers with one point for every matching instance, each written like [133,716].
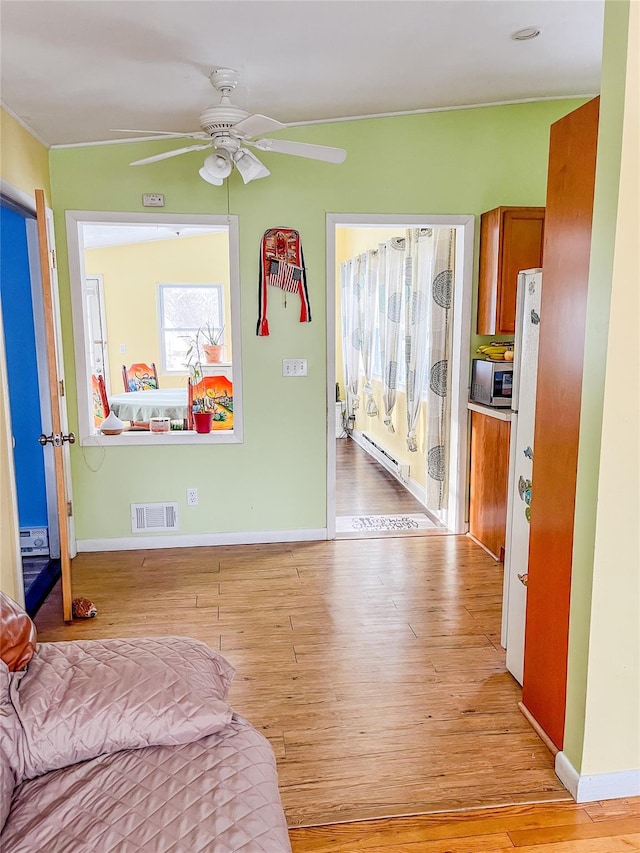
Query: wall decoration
[212,395]
[282,266]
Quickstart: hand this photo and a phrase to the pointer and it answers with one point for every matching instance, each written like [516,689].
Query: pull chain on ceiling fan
[228,129]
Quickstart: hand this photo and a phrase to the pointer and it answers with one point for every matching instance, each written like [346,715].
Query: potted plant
[193,358]
[212,346]
[207,340]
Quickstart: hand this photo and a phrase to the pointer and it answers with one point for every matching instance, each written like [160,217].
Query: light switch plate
[294,366]
[152,200]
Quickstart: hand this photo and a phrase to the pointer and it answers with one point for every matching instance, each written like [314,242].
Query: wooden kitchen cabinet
[489,480]
[510,240]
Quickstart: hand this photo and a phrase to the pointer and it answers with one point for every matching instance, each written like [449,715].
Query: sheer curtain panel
[351,336]
[391,257]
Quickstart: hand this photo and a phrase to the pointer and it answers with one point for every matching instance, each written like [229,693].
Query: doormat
[358,525]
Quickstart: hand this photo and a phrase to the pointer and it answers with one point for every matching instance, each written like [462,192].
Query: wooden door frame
[25,205]
[463,280]
[59,420]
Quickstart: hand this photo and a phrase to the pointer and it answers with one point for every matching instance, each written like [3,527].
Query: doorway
[349,235]
[20,292]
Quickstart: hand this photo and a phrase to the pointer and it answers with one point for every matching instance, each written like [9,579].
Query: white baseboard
[259,537]
[600,786]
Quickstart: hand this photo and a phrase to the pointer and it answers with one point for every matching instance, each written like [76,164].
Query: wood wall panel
[567,243]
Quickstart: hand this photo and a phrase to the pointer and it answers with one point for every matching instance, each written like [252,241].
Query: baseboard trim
[484,547]
[599,786]
[256,537]
[535,725]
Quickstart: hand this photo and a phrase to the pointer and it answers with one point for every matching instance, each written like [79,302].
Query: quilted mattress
[129,745]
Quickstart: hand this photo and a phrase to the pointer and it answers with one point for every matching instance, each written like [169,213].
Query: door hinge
[61,384]
[52,258]
[69,509]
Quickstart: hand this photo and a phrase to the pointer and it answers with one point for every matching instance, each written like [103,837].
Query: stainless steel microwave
[491,383]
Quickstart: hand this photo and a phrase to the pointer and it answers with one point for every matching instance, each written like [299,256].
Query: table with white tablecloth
[141,405]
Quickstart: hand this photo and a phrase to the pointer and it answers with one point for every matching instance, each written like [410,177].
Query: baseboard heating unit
[385,458]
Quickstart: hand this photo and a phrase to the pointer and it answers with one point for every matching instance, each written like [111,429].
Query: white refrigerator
[525,368]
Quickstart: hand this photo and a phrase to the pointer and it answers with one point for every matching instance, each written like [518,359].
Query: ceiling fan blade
[168,154]
[174,133]
[301,149]
[257,124]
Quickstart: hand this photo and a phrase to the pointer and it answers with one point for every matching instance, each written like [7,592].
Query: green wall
[454,162]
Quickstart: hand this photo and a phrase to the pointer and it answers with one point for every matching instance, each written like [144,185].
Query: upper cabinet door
[510,240]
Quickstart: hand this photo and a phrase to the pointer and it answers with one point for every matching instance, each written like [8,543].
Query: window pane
[190,307]
[175,350]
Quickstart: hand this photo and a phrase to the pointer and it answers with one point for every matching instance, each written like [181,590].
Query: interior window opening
[156,325]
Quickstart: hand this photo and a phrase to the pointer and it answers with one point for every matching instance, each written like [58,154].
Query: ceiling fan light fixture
[218,164]
[209,178]
[249,166]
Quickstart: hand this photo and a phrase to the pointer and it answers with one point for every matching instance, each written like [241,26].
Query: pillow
[85,698]
[17,634]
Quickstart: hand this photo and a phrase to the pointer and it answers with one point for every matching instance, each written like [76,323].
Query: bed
[128,745]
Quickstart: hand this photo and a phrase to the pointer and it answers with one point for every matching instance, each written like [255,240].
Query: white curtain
[368,307]
[351,336]
[438,342]
[391,257]
[418,277]
[406,282]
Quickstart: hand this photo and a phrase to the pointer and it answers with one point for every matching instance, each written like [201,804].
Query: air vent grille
[156,516]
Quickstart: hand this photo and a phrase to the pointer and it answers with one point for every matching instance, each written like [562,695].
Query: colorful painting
[213,394]
[99,413]
[140,377]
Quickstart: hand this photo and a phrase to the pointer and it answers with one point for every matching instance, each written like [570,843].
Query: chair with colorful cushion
[213,394]
[99,398]
[140,377]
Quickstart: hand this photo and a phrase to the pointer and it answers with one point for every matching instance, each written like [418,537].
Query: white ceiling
[73,70]
[97,235]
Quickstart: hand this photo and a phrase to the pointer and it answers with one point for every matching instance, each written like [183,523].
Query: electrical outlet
[152,200]
[192,497]
[294,366]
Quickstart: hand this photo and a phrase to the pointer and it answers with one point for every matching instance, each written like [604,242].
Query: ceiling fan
[228,130]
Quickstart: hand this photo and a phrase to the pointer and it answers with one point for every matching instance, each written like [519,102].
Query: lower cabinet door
[488,482]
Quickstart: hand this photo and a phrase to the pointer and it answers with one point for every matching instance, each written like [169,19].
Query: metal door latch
[56,439]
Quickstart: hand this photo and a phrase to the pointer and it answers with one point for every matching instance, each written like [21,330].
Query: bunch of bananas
[497,351]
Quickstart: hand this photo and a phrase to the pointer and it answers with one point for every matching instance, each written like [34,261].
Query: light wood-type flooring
[611,826]
[364,487]
[374,667]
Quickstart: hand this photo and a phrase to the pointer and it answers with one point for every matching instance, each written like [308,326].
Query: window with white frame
[165,279]
[182,310]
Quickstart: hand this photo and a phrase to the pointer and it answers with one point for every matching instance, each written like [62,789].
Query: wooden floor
[611,826]
[364,487]
[374,667]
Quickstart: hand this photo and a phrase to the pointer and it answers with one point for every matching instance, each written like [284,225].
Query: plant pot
[212,353]
[202,421]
